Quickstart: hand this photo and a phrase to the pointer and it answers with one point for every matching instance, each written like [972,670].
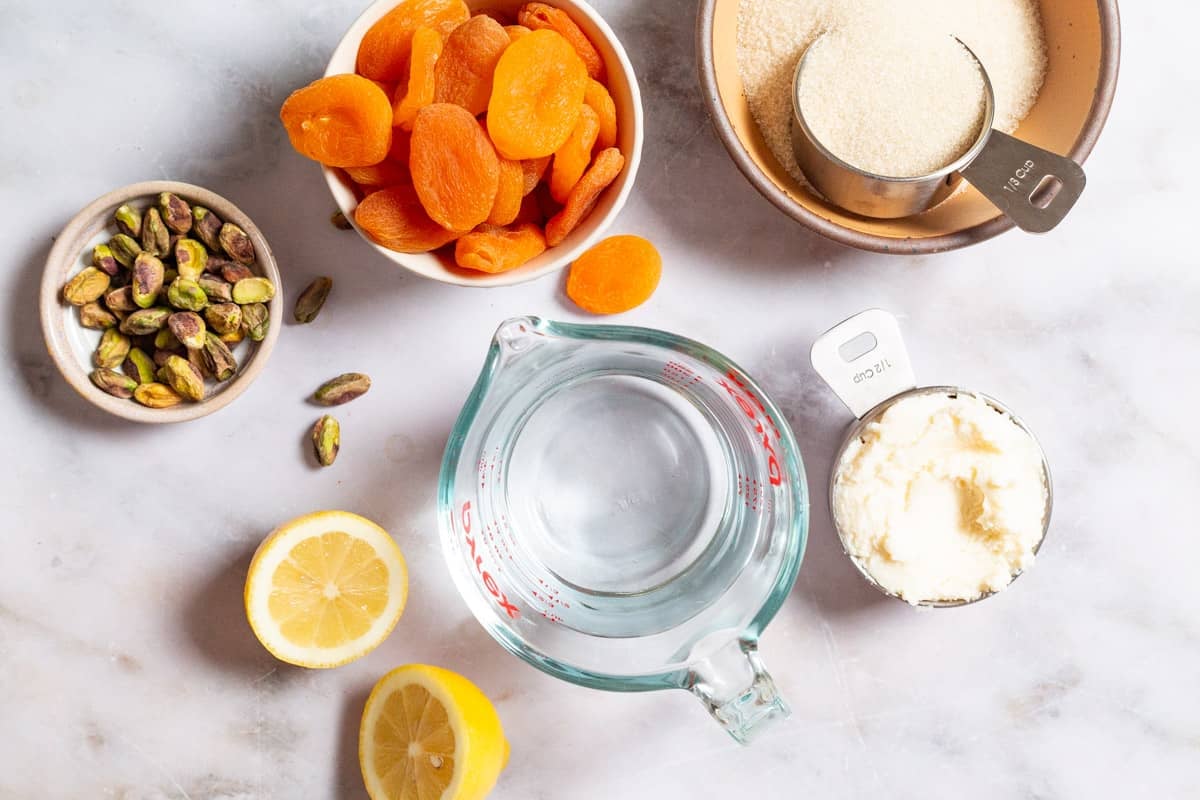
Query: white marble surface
[126,666]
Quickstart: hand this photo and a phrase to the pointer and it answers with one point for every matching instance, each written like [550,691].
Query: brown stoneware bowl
[71,345]
[1083,45]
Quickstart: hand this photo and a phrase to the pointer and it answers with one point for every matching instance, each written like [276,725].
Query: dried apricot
[401,146]
[454,167]
[531,211]
[516,32]
[464,72]
[539,16]
[604,170]
[385,173]
[395,219]
[615,275]
[507,204]
[533,169]
[418,92]
[537,92]
[599,100]
[339,121]
[572,159]
[383,53]
[496,249]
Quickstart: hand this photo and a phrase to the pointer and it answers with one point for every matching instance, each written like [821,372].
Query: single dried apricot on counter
[509,194]
[533,169]
[615,275]
[464,72]
[572,159]
[418,92]
[395,219]
[384,50]
[516,32]
[603,171]
[339,121]
[454,167]
[539,16]
[385,173]
[537,92]
[597,98]
[496,249]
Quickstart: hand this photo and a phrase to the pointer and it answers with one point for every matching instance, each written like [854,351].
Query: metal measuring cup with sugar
[1035,188]
[864,361]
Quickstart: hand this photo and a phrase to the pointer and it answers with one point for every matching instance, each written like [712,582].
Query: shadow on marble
[348,775]
[686,175]
[214,618]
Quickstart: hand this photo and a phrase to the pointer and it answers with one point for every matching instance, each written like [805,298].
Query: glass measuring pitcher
[625,509]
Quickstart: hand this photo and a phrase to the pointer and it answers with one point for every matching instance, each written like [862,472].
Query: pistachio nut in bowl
[159,302]
[1054,89]
[609,74]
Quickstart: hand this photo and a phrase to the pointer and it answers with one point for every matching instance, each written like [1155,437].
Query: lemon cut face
[430,734]
[325,589]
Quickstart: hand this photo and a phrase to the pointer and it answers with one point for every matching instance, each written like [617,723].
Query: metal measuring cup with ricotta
[940,496]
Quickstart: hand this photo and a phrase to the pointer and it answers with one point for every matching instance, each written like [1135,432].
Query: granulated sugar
[1006,35]
[892,105]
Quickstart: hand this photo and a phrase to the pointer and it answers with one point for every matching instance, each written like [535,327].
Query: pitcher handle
[737,691]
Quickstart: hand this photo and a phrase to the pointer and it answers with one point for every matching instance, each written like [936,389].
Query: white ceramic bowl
[622,85]
[71,345]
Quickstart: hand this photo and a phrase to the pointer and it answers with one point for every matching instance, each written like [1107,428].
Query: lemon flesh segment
[325,589]
[430,734]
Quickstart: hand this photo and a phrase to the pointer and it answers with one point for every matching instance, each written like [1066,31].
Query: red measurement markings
[751,492]
[489,582]
[680,374]
[549,597]
[752,407]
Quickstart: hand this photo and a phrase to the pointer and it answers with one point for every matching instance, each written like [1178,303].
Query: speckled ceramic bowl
[71,345]
[622,84]
[1083,42]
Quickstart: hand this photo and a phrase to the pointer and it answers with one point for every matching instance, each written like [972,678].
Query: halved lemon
[429,734]
[325,589]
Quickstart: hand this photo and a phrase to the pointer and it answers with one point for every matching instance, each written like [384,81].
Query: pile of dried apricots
[492,133]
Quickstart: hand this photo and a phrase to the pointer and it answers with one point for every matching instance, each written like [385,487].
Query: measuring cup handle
[737,691]
[864,361]
[1033,187]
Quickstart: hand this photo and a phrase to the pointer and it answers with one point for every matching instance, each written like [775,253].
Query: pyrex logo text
[489,582]
[774,471]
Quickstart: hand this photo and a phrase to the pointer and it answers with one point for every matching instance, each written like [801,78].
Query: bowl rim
[63,256]
[1106,87]
[633,158]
